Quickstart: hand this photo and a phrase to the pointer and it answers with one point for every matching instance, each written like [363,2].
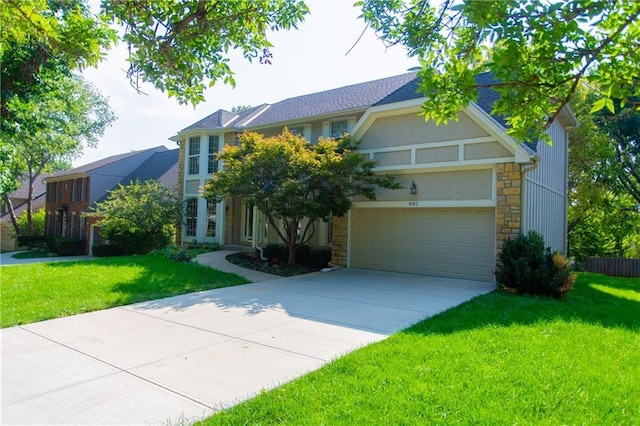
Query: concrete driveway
[178,359]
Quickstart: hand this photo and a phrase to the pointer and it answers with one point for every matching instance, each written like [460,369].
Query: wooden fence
[613,266]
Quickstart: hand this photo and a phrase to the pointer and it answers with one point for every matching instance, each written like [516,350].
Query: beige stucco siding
[393,158]
[476,151]
[436,154]
[456,185]
[411,128]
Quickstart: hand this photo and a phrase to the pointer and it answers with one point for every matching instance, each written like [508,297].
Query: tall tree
[623,132]
[538,50]
[289,179]
[47,112]
[47,36]
[180,46]
[602,215]
[49,127]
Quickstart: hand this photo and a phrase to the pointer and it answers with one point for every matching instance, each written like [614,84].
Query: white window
[193,158]
[79,189]
[297,130]
[214,147]
[211,218]
[247,222]
[191,217]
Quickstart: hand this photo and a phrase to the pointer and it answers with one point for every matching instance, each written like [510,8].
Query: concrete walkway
[7,259]
[176,360]
[217,260]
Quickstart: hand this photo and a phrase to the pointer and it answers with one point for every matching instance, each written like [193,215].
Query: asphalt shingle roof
[154,168]
[354,97]
[104,162]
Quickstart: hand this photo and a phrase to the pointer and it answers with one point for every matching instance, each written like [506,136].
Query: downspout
[535,162]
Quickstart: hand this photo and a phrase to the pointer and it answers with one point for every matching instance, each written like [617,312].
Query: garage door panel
[449,242]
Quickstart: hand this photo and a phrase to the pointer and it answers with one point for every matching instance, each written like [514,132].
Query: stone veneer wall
[339,241]
[180,188]
[509,200]
[228,221]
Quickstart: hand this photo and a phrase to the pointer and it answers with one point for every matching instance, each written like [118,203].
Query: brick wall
[508,207]
[64,203]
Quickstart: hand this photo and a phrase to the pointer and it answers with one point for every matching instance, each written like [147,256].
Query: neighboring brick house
[19,202]
[72,194]
[467,185]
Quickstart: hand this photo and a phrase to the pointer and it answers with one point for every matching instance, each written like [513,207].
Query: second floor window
[79,190]
[53,192]
[214,146]
[193,158]
[338,128]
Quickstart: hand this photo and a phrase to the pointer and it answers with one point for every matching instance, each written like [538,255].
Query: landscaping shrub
[174,253]
[303,255]
[138,242]
[198,248]
[37,222]
[525,266]
[65,246]
[273,251]
[320,258]
[31,241]
[107,250]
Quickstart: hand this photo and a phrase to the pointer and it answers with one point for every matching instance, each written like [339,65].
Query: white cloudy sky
[310,59]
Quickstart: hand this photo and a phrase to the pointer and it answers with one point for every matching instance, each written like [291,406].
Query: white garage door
[456,243]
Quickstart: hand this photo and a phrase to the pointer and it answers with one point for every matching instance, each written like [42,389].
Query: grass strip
[36,292]
[497,359]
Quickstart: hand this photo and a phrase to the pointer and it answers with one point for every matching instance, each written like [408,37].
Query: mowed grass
[37,292]
[497,359]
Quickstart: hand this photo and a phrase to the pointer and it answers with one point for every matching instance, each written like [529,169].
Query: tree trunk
[12,214]
[30,207]
[292,235]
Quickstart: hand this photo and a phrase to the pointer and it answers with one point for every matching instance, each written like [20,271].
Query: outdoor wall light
[413,189]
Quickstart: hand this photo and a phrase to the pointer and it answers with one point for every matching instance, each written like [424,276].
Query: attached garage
[451,242]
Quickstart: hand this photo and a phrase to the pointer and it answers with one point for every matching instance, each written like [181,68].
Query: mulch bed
[247,261]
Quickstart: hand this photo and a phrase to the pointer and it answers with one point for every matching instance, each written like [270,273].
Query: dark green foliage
[107,250]
[317,258]
[138,242]
[30,240]
[526,267]
[273,251]
[303,254]
[320,258]
[174,253]
[65,246]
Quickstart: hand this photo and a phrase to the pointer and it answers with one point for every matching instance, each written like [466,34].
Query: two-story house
[72,193]
[468,186]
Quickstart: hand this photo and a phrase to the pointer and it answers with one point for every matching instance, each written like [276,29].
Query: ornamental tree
[139,217]
[288,179]
[538,50]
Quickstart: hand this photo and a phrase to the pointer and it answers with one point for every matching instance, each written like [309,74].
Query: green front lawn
[497,359]
[37,292]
